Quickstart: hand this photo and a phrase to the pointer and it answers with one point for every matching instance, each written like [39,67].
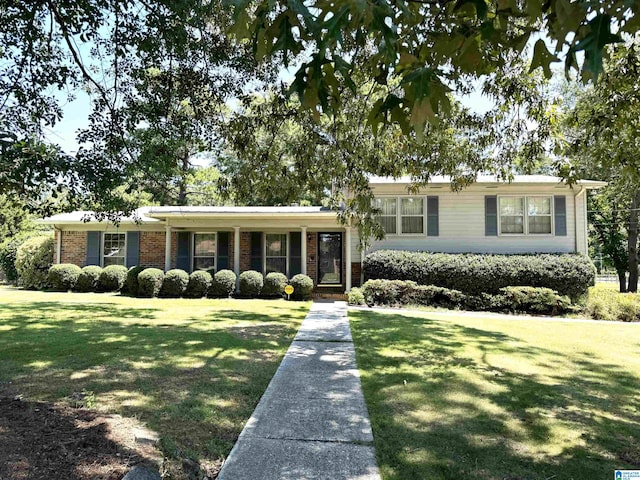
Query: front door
[330,258]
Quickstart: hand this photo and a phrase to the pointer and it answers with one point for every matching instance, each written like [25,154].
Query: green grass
[482,398]
[193,370]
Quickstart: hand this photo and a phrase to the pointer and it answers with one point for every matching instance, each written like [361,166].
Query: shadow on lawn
[459,416]
[195,380]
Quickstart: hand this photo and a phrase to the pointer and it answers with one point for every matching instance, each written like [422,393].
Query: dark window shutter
[560,214]
[183,260]
[93,248]
[133,249]
[256,251]
[491,215]
[223,251]
[433,227]
[295,253]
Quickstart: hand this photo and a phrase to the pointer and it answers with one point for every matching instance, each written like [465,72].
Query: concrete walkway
[312,421]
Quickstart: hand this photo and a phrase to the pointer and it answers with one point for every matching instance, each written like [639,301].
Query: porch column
[167,248]
[236,254]
[347,256]
[303,250]
[58,244]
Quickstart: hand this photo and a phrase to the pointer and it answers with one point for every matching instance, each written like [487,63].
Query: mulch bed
[45,441]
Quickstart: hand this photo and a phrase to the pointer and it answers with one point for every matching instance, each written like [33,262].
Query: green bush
[150,282]
[112,278]
[131,283]
[8,254]
[534,300]
[174,284]
[224,284]
[251,283]
[274,284]
[356,297]
[33,259]
[606,303]
[302,287]
[568,274]
[88,279]
[400,292]
[64,276]
[199,284]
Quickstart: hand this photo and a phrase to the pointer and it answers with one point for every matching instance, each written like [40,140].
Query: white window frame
[396,215]
[264,251]
[525,227]
[193,250]
[102,241]
[399,215]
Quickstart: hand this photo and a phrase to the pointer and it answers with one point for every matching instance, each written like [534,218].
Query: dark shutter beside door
[560,214]
[133,249]
[93,248]
[295,253]
[223,251]
[491,215]
[256,251]
[183,259]
[433,227]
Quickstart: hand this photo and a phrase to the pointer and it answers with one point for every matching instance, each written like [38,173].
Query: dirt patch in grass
[44,441]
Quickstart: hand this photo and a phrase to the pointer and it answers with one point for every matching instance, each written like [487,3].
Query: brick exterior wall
[356,271]
[245,251]
[231,249]
[312,256]
[74,248]
[152,245]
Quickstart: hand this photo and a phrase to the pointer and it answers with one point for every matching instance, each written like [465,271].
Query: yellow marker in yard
[288,290]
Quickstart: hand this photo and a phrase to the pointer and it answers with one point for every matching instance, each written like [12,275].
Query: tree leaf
[542,58]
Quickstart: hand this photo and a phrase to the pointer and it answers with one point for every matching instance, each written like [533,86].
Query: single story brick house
[532,214]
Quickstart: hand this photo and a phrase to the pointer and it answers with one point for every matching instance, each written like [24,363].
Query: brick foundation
[74,248]
[356,271]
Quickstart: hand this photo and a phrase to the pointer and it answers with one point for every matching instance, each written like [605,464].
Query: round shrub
[112,278]
[199,283]
[88,279]
[251,283]
[131,283]
[356,297]
[224,284]
[33,259]
[8,255]
[64,276]
[174,284]
[302,287]
[274,284]
[150,282]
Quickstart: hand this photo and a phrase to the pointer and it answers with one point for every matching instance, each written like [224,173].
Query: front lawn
[488,398]
[193,370]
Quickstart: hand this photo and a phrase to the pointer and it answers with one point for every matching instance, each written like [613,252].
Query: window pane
[276,245]
[511,224]
[386,205]
[113,249]
[540,224]
[113,261]
[539,205]
[412,224]
[389,224]
[277,264]
[205,245]
[204,263]
[511,206]
[412,206]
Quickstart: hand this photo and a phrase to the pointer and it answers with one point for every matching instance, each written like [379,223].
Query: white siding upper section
[462,223]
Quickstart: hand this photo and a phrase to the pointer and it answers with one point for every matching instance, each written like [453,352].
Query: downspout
[58,244]
[575,219]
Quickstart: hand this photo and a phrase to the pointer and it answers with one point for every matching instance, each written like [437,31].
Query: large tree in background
[602,138]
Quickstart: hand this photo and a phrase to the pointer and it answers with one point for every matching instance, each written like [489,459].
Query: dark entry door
[329,258]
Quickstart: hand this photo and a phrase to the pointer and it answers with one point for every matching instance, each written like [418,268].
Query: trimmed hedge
[33,259]
[112,278]
[199,284]
[567,274]
[508,299]
[356,297]
[251,283]
[150,282]
[174,284]
[88,279]
[131,283]
[606,303]
[223,284]
[64,276]
[274,284]
[302,287]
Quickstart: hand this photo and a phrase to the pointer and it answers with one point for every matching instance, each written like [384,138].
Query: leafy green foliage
[89,278]
[274,283]
[356,297]
[224,284]
[64,276]
[33,260]
[150,282]
[604,303]
[251,283]
[199,283]
[131,283]
[302,287]
[568,274]
[175,283]
[112,278]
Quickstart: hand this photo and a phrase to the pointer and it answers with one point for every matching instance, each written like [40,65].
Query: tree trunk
[622,280]
[632,246]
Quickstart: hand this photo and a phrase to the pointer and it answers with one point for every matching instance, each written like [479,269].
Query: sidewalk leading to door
[312,421]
